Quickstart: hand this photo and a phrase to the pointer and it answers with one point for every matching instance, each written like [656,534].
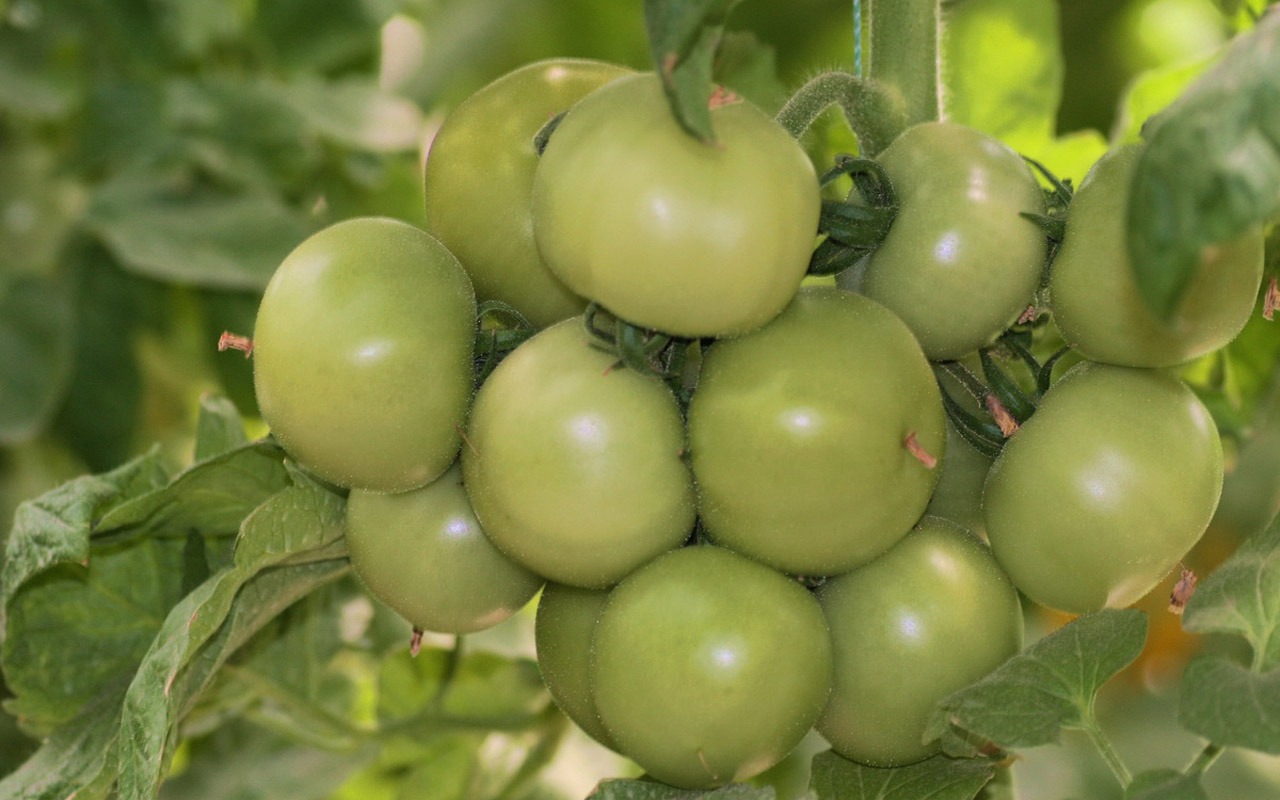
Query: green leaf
[219,428]
[212,497]
[355,113]
[1242,597]
[158,227]
[484,688]
[77,760]
[683,37]
[1049,686]
[194,29]
[646,790]
[1165,784]
[1153,91]
[1211,169]
[1230,705]
[36,334]
[937,778]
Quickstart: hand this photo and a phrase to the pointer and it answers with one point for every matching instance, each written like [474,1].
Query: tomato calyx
[856,226]
[500,328]
[645,350]
[1054,222]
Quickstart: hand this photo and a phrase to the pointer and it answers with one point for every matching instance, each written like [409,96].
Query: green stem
[904,47]
[1108,751]
[871,112]
[1204,759]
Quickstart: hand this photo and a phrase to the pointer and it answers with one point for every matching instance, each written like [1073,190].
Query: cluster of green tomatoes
[742,498]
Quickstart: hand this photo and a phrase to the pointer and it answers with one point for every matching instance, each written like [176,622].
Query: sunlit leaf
[937,778]
[1231,705]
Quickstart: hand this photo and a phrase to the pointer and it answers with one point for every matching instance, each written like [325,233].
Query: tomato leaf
[938,778]
[1049,686]
[36,354]
[646,790]
[683,37]
[1211,169]
[219,428]
[1242,597]
[1165,784]
[1231,705]
[482,688]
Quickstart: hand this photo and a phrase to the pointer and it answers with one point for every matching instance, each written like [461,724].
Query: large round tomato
[959,264]
[424,554]
[668,232]
[479,180]
[1105,489]
[565,624]
[708,668]
[362,354]
[929,617]
[573,463]
[801,435]
[1094,293]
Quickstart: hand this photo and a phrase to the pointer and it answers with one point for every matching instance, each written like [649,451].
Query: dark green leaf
[646,790]
[194,29]
[193,234]
[683,37]
[1211,169]
[34,83]
[212,497]
[219,428]
[36,334]
[938,778]
[1242,597]
[1231,705]
[322,37]
[1165,784]
[1049,686]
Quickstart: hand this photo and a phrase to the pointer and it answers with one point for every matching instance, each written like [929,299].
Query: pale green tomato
[1094,294]
[668,232]
[479,182]
[565,624]
[959,263]
[1101,493]
[799,435]
[929,617]
[362,354]
[424,554]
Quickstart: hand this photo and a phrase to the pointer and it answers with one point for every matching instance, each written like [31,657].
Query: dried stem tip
[1271,300]
[415,642]
[1182,591]
[1008,425]
[916,449]
[234,341]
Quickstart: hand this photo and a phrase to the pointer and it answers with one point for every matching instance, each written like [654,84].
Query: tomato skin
[1095,298]
[362,354]
[665,231]
[958,264]
[797,435]
[574,466]
[929,617]
[565,624]
[709,668]
[479,182]
[1100,494]
[424,554]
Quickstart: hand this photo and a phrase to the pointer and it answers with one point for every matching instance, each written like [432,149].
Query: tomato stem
[234,341]
[1108,751]
[869,110]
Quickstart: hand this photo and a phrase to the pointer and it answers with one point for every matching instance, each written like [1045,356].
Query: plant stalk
[1108,752]
[904,53]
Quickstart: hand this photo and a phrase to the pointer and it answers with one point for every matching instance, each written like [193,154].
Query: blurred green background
[159,157]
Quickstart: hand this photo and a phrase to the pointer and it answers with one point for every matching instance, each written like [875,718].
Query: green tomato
[574,464]
[424,554]
[709,668]
[1101,493]
[668,232]
[959,264]
[1094,293]
[929,617]
[562,634]
[799,435]
[479,182]
[362,354]
[958,494]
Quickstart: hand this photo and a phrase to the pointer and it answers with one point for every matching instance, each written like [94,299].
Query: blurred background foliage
[159,157]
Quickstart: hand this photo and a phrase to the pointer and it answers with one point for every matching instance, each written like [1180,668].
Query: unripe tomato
[929,617]
[573,463]
[479,182]
[424,554]
[565,624]
[959,264]
[709,668]
[362,354]
[1105,489]
[668,232]
[799,435]
[958,494]
[1094,293]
